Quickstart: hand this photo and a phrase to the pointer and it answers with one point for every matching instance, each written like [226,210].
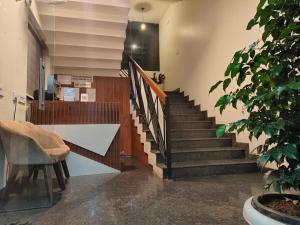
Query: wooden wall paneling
[111,158]
[116,89]
[82,113]
[126,117]
[112,106]
[75,113]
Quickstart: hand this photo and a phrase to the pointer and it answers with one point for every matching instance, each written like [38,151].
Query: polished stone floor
[136,197]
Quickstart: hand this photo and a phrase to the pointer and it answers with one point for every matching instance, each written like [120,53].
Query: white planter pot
[253,217]
[256,213]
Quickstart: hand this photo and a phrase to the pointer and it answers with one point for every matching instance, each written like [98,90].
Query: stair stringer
[152,156]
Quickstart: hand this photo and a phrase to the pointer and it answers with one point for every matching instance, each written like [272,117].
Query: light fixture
[134,46]
[143,25]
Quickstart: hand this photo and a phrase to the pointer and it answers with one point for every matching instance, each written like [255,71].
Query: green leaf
[261,4]
[263,159]
[297,169]
[241,78]
[215,86]
[276,70]
[265,35]
[276,153]
[245,57]
[222,108]
[251,24]
[268,131]
[232,127]
[288,30]
[220,131]
[252,53]
[280,89]
[258,149]
[234,103]
[290,151]
[235,70]
[236,57]
[277,185]
[265,17]
[228,70]
[288,180]
[257,131]
[241,93]
[224,100]
[294,85]
[226,83]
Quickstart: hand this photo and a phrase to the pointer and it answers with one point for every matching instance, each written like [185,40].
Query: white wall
[13,60]
[197,41]
[13,57]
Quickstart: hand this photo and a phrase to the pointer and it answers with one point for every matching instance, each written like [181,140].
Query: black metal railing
[153,106]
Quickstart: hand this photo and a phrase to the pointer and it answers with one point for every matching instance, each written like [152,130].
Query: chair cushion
[58,154]
[49,143]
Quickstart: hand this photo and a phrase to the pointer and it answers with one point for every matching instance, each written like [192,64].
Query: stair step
[149,134]
[181,104]
[212,167]
[200,142]
[191,124]
[179,101]
[150,139]
[197,154]
[174,93]
[184,110]
[215,149]
[187,117]
[177,96]
[193,133]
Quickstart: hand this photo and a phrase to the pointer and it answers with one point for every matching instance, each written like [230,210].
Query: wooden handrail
[160,93]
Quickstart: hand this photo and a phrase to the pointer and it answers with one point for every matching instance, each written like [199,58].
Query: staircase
[194,147]
[180,139]
[195,150]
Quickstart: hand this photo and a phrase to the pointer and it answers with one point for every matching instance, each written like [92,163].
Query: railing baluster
[155,119]
[139,94]
[152,116]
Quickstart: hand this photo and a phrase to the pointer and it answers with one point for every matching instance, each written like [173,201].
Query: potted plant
[267,80]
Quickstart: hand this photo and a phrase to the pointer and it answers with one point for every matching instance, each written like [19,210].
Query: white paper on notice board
[91,92]
[84,97]
[64,79]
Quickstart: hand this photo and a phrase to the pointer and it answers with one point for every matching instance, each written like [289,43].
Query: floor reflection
[138,197]
[26,192]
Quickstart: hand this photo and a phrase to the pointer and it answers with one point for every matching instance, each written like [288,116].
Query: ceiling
[154,10]
[85,37]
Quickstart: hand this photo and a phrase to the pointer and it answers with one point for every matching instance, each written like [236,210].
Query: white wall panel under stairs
[85,37]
